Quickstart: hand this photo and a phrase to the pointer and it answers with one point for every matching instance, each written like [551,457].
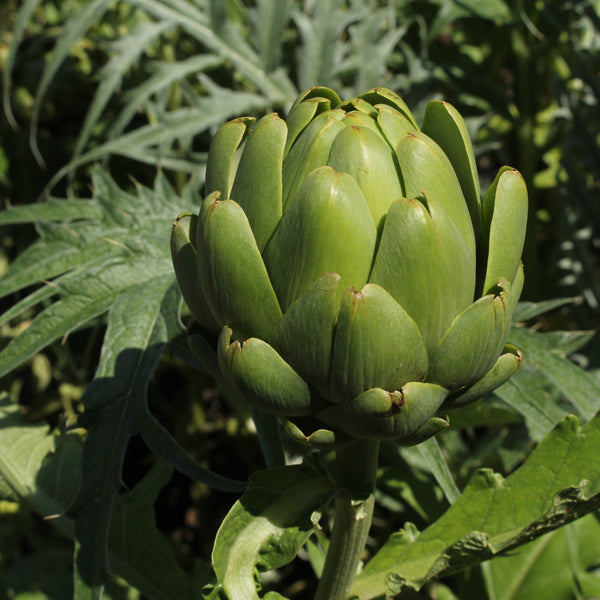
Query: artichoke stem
[356,465]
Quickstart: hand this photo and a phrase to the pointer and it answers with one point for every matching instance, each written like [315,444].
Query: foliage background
[127,88]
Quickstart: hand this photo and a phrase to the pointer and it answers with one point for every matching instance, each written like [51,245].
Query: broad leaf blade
[147,561]
[558,566]
[528,394]
[132,348]
[494,514]
[23,450]
[548,386]
[42,470]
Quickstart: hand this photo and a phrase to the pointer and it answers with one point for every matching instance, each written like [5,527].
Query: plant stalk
[356,465]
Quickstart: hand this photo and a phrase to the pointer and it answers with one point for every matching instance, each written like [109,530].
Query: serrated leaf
[320,29]
[133,280]
[197,24]
[270,23]
[494,514]
[372,41]
[103,285]
[118,225]
[127,51]
[116,404]
[150,143]
[147,561]
[52,209]
[132,348]
[29,302]
[46,259]
[575,384]
[166,74]
[102,257]
[529,310]
[161,15]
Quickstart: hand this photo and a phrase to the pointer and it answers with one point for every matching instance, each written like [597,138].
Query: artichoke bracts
[347,270]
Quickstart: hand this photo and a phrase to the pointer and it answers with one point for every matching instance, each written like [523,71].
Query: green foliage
[43,471]
[88,290]
[573,546]
[268,525]
[558,483]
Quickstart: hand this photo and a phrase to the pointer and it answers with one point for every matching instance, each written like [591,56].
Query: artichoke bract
[347,270]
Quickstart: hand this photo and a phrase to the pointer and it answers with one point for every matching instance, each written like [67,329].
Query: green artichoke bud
[347,270]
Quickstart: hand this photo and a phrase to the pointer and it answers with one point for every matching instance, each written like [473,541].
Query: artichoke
[344,272]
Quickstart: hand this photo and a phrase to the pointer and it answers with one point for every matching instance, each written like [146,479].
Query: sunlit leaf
[267,526]
[559,482]
[558,566]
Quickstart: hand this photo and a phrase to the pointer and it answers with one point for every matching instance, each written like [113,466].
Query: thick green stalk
[356,465]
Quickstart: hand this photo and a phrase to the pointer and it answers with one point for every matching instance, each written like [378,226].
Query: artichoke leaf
[426,170]
[304,335]
[474,341]
[320,93]
[376,345]
[257,187]
[504,368]
[224,155]
[327,229]
[429,284]
[381,415]
[310,150]
[393,125]
[364,155]
[361,119]
[359,105]
[264,378]
[504,226]
[301,114]
[445,125]
[319,439]
[430,428]
[185,260]
[232,271]
[386,96]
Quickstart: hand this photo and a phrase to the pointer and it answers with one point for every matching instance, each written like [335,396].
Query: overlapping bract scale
[357,279]
[327,228]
